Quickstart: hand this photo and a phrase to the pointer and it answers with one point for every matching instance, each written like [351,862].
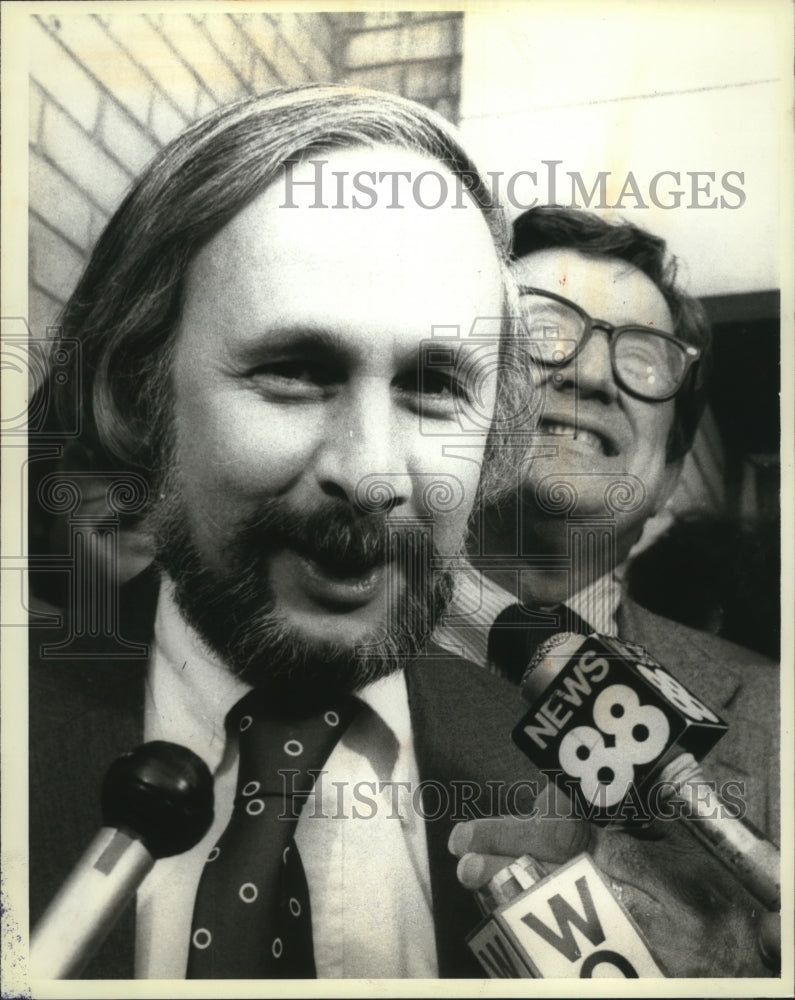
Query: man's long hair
[126,307]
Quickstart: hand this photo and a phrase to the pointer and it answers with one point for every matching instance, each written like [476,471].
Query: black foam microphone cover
[519,630]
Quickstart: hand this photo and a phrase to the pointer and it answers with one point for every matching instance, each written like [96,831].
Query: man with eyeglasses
[622,356]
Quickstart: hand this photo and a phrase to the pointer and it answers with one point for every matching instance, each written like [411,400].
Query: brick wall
[417,55]
[108,90]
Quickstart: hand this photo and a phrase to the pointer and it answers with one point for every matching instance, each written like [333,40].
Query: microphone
[157,801]
[520,629]
[528,931]
[622,737]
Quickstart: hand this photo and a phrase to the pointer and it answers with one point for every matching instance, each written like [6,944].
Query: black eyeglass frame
[691,353]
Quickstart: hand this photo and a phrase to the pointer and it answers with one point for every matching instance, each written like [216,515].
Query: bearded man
[302,362]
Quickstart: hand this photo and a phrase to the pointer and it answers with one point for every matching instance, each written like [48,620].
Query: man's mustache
[341,541]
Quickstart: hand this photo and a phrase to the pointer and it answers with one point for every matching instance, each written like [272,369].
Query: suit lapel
[461,719]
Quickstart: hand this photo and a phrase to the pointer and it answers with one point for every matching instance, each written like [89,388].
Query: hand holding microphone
[621,735]
[157,801]
[696,920]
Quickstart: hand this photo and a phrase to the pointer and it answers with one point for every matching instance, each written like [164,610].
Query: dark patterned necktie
[520,629]
[252,918]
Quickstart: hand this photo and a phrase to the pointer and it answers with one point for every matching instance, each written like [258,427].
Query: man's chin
[310,666]
[325,630]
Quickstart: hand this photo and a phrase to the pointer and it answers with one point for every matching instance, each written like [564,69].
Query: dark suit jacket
[737,683]
[84,713]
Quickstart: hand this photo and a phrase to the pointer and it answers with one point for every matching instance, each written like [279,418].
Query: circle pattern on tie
[202,938]
[262,929]
[248,892]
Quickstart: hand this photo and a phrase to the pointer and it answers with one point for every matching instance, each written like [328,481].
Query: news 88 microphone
[621,736]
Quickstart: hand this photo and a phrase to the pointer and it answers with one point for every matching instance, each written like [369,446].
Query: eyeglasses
[648,363]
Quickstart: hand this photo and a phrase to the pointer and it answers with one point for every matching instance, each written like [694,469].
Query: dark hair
[126,306]
[553,227]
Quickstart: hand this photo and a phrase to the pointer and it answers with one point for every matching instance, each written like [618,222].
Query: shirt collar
[597,604]
[190,690]
[389,699]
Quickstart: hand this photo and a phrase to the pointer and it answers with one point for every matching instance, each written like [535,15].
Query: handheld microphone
[157,801]
[528,931]
[622,736]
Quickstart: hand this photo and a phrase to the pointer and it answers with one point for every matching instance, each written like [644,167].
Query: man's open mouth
[589,438]
[339,586]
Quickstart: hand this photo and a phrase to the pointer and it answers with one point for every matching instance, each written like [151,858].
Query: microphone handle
[88,904]
[735,842]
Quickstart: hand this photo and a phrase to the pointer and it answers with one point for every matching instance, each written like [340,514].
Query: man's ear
[671,474]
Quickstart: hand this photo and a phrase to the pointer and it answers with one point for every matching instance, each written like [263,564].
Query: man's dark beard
[234,611]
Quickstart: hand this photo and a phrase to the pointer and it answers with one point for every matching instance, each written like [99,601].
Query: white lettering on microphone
[588,671]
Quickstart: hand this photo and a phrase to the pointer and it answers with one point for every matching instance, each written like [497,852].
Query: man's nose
[591,371]
[362,460]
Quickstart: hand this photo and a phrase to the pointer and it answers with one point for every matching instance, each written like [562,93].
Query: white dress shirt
[362,844]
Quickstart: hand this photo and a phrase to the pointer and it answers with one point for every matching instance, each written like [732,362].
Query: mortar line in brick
[329,54]
[48,224]
[288,44]
[33,285]
[92,136]
[258,53]
[434,17]
[191,69]
[453,61]
[147,73]
[284,39]
[253,51]
[109,93]
[222,55]
[70,180]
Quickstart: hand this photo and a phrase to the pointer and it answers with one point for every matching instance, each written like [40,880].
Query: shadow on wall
[717,575]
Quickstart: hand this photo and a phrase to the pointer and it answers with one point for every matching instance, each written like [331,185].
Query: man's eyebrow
[294,340]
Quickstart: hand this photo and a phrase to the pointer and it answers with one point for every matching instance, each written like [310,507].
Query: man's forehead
[365,277]
[338,197]
[283,264]
[606,287]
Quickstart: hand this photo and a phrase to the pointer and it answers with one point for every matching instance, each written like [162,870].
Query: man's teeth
[582,436]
